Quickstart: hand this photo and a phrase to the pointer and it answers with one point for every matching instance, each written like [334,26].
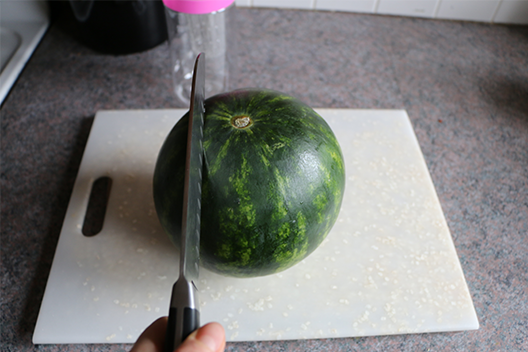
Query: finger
[208,338]
[152,339]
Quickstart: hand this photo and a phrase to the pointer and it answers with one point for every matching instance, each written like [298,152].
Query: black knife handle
[191,322]
[184,316]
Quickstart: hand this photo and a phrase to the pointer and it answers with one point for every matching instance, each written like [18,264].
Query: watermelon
[273,182]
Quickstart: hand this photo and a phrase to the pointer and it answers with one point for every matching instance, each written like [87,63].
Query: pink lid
[197,6]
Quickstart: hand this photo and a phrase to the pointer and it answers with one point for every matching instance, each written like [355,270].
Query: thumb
[208,338]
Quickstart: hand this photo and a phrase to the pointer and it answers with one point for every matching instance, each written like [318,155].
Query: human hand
[208,338]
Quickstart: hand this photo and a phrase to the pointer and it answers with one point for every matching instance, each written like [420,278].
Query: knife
[184,316]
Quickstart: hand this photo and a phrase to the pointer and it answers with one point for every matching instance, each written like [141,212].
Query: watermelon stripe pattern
[272,190]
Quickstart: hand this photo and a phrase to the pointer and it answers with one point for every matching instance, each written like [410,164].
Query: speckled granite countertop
[464,86]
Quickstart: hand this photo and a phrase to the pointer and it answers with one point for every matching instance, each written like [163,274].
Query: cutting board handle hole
[97,203]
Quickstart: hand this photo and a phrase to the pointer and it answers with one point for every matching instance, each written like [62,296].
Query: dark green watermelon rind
[275,208]
[168,180]
[271,192]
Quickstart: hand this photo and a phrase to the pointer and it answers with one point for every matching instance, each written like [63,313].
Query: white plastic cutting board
[388,266]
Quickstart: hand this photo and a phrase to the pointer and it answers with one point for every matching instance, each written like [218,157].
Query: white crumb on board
[387,267]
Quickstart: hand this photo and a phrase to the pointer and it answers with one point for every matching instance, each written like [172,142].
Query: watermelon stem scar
[241,121]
